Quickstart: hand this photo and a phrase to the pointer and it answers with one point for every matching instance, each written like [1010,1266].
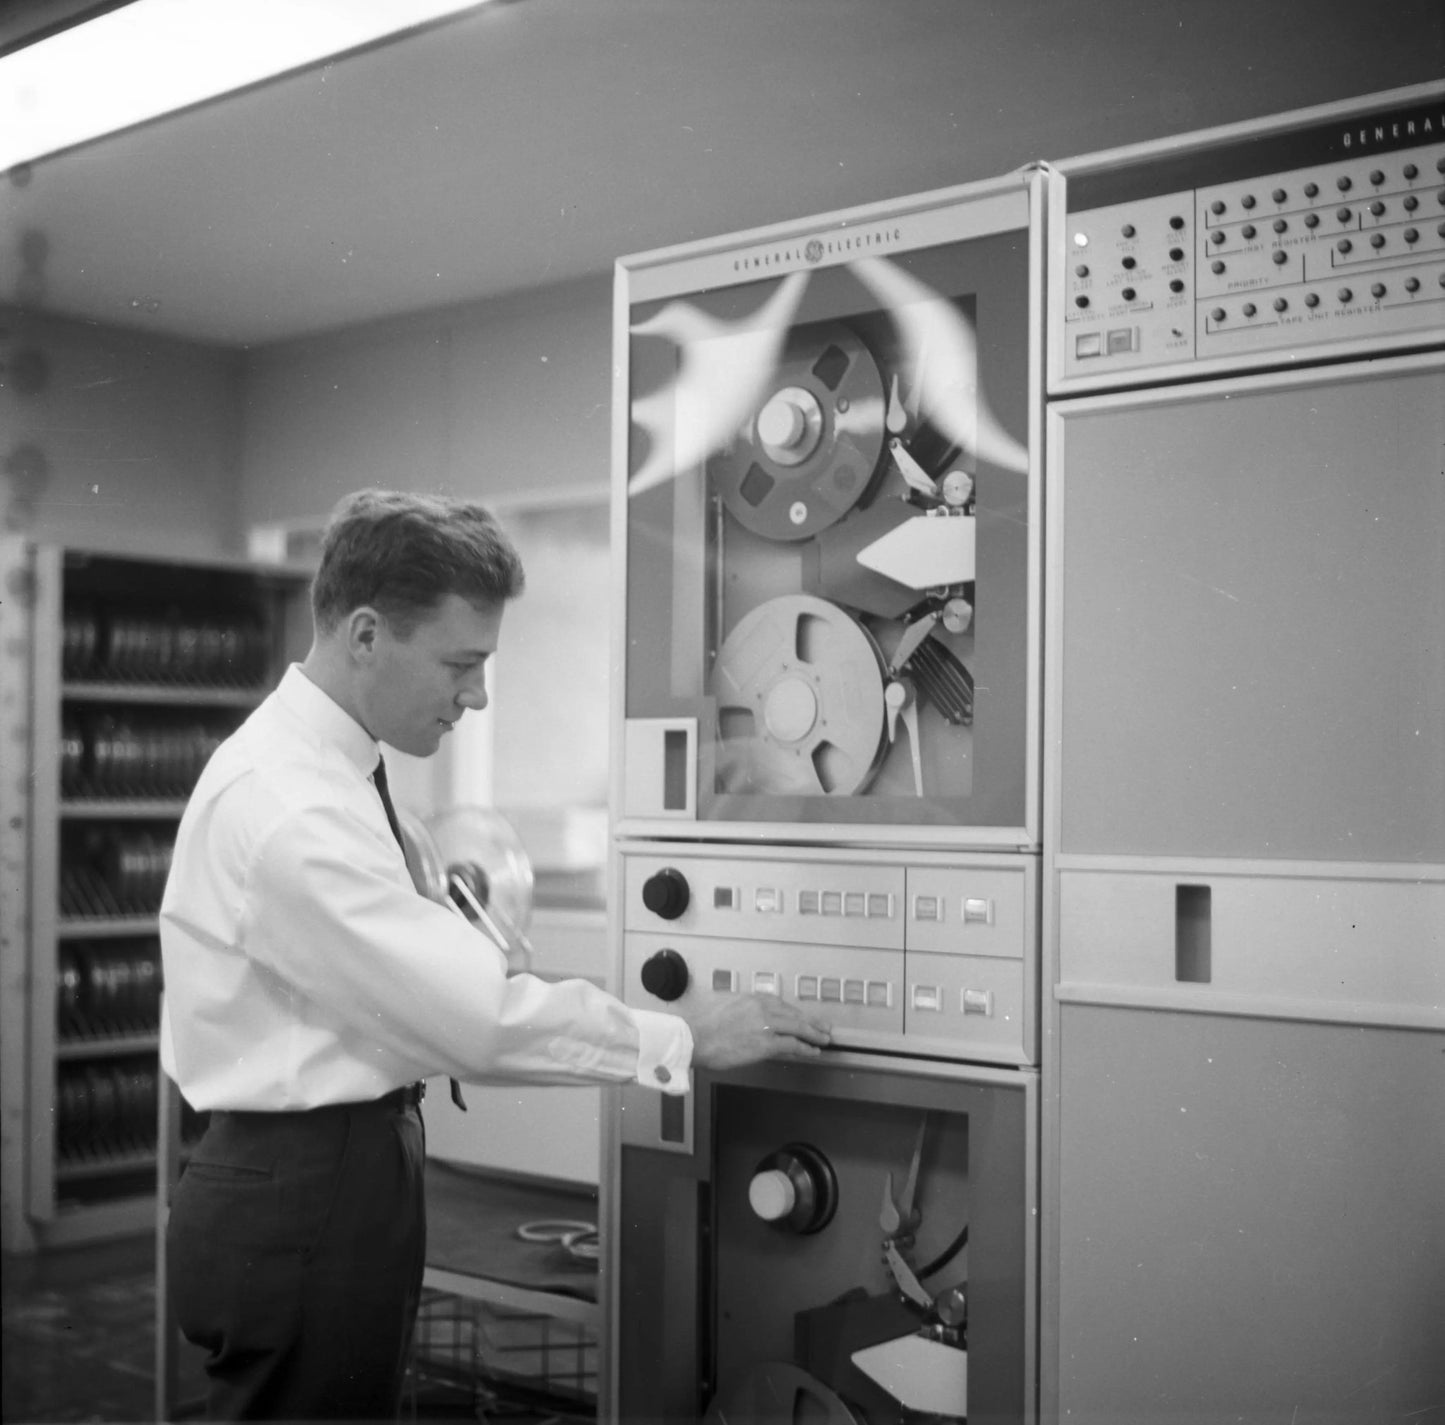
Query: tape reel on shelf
[812,449]
[799,690]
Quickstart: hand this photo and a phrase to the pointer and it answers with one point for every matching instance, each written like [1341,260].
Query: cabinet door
[1250,1223]
[1253,588]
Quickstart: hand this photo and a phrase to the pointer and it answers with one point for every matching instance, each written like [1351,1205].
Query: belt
[408,1096]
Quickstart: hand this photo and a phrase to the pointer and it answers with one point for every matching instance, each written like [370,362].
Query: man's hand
[730,1031]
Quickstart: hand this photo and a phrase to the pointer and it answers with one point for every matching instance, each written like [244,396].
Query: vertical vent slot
[1192,935]
[674,769]
[672,1124]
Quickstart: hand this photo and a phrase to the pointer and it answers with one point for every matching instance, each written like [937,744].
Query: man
[309,988]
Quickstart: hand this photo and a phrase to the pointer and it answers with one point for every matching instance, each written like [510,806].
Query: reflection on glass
[828,537]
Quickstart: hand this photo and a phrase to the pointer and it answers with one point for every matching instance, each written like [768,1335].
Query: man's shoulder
[275,769]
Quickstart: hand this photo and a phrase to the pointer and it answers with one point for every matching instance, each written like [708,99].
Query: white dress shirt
[302,968]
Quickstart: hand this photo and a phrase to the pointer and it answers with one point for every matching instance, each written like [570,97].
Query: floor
[79,1335]
[79,1345]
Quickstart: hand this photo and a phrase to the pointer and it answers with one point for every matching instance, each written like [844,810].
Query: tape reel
[799,689]
[811,450]
[777,1393]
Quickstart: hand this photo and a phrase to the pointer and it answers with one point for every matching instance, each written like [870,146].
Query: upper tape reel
[810,452]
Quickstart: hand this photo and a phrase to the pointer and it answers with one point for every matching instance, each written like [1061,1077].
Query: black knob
[665,975]
[665,893]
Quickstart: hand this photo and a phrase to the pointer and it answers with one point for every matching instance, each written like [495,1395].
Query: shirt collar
[324,716]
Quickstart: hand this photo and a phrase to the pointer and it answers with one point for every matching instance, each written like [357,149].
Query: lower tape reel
[776,1393]
[799,690]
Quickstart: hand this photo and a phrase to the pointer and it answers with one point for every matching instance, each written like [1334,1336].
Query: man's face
[416,688]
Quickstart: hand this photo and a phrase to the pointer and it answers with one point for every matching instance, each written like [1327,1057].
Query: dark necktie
[379,777]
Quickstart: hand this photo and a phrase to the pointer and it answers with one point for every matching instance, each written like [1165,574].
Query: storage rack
[137,668]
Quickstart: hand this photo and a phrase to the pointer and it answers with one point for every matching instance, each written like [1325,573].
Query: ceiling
[530,142]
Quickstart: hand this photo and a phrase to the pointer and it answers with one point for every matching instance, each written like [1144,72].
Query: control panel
[922,955]
[1250,265]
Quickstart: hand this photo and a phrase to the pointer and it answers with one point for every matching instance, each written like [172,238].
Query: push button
[927,997]
[977,1002]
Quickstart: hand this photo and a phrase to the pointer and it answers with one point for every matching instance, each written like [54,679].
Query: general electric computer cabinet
[827,526]
[1244,914]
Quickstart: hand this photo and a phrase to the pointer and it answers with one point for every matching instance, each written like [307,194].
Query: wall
[117,439]
[494,398]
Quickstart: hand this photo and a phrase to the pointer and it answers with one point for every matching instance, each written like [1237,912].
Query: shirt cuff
[664,1051]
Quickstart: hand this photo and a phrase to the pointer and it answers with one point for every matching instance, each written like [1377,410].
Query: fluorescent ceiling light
[152,57]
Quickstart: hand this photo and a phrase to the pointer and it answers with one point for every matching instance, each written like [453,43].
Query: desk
[473,1250]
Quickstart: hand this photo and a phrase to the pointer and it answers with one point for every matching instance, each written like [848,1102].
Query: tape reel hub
[790,426]
[790,709]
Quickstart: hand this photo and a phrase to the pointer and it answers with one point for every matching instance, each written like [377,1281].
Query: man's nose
[474,694]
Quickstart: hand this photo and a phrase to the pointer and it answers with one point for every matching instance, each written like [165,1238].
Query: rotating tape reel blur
[810,453]
[778,1393]
[799,688]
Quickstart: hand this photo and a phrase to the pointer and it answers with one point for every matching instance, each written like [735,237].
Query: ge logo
[814,250]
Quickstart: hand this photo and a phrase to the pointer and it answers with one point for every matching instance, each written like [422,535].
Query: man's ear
[362,625]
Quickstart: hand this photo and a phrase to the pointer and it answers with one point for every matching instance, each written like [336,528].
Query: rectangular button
[977,910]
[855,903]
[765,982]
[768,900]
[880,907]
[808,903]
[830,990]
[832,903]
[724,898]
[927,908]
[880,994]
[807,987]
[1088,344]
[978,1002]
[1123,339]
[853,992]
[928,997]
[725,981]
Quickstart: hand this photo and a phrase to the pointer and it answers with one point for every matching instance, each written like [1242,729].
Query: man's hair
[403,554]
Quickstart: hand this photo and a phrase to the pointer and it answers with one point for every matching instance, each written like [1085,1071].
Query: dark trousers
[295,1251]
